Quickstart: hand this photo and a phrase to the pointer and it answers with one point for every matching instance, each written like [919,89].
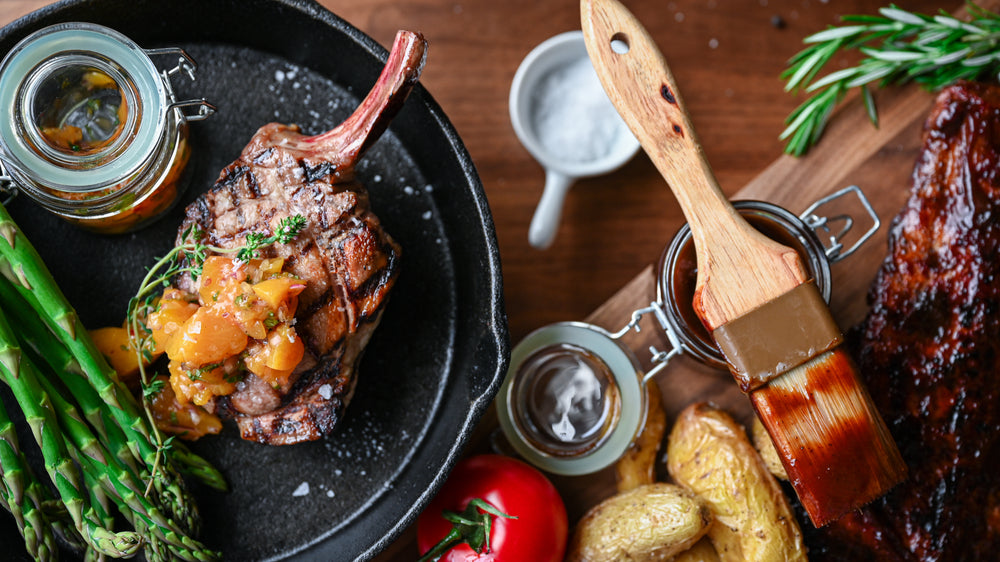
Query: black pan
[435,362]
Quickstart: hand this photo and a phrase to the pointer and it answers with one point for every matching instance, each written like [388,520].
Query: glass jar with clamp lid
[91,129]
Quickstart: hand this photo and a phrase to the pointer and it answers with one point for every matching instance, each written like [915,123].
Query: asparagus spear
[38,412]
[32,280]
[115,480]
[20,494]
[65,367]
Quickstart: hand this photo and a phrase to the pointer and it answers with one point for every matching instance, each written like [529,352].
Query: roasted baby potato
[710,454]
[651,522]
[762,442]
[637,466]
[702,551]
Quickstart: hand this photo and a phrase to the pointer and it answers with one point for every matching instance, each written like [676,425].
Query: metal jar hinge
[821,225]
[8,187]
[188,66]
[659,358]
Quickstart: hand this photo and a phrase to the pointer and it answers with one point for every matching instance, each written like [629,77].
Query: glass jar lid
[83,107]
[555,449]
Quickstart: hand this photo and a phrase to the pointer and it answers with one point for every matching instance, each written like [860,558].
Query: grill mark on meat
[231,176]
[373,285]
[930,350]
[264,156]
[317,172]
[252,184]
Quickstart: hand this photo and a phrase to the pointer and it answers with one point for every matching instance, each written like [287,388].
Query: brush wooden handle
[739,269]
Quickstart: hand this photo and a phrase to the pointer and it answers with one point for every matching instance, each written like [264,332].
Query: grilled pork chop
[930,349]
[349,263]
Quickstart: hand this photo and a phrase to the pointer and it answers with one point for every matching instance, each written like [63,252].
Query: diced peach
[200,385]
[187,421]
[286,348]
[256,361]
[114,344]
[242,305]
[266,268]
[275,290]
[172,310]
[206,337]
[216,274]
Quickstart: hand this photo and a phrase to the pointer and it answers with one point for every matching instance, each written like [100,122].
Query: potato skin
[638,465]
[702,551]
[648,523]
[710,454]
[762,442]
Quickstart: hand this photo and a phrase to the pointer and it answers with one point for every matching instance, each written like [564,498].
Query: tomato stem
[472,526]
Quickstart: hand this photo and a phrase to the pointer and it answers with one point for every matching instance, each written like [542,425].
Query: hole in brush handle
[620,43]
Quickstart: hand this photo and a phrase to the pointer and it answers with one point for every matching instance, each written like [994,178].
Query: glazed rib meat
[349,263]
[930,349]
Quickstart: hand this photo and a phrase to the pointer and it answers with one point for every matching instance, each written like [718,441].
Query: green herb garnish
[898,47]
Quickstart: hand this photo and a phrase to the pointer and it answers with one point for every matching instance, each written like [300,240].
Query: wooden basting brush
[752,293]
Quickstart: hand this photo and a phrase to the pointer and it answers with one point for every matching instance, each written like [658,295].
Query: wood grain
[727,54]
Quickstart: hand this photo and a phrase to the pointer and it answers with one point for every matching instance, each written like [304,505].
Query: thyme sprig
[898,47]
[188,257]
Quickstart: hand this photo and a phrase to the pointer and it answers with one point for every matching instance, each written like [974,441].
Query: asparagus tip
[9,232]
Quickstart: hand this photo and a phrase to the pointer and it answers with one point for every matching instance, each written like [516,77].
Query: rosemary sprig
[898,47]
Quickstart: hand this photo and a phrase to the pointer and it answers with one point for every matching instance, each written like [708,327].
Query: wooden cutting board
[853,152]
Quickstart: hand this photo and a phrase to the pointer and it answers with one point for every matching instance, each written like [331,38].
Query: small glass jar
[573,400]
[91,129]
[677,273]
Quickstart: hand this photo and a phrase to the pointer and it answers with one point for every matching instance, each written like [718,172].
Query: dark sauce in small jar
[678,272]
[570,400]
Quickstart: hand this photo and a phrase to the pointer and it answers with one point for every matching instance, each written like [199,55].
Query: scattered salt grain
[302,490]
[428,188]
[330,494]
[713,43]
[279,75]
[408,190]
[427,215]
[326,391]
[377,178]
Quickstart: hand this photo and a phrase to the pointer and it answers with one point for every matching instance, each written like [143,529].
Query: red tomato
[515,488]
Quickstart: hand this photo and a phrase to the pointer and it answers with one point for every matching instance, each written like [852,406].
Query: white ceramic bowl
[532,77]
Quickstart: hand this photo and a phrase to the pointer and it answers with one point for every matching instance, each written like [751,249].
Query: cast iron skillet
[436,360]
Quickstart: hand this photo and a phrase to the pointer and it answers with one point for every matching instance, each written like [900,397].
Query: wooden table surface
[725,54]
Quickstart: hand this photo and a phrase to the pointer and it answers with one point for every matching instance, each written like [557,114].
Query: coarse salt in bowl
[563,117]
